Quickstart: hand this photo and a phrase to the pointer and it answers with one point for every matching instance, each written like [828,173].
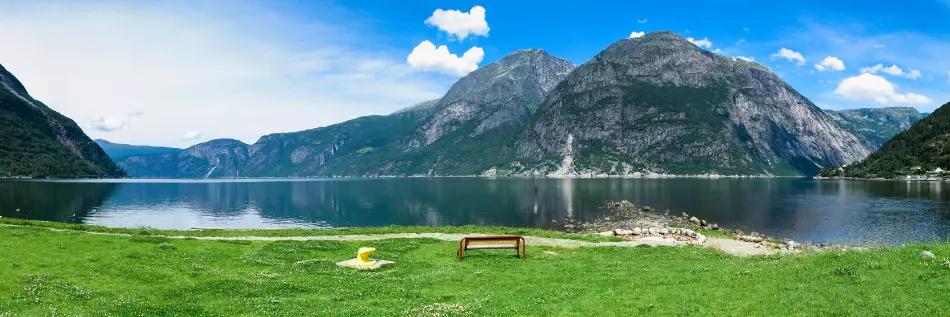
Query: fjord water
[846,212]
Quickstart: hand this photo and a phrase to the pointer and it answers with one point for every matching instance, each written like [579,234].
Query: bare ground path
[733,247]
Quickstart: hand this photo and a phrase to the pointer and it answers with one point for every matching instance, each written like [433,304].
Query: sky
[176,73]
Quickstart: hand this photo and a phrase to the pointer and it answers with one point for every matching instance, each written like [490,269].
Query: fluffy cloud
[830,63]
[790,55]
[458,23]
[642,21]
[637,34]
[107,124]
[427,57]
[193,134]
[872,87]
[746,58]
[892,70]
[701,43]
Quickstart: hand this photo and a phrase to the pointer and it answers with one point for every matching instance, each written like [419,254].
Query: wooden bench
[492,242]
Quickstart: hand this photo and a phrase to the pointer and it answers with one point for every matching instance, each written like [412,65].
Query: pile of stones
[679,234]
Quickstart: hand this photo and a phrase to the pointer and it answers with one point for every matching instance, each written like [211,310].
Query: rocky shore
[632,222]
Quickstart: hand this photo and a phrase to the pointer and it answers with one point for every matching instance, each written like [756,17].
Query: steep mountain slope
[212,159]
[469,130]
[36,141]
[365,146]
[659,104]
[922,149]
[876,125]
[117,151]
[474,125]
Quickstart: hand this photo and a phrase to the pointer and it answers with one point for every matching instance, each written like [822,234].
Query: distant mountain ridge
[117,151]
[221,158]
[924,149]
[36,141]
[876,125]
[657,104]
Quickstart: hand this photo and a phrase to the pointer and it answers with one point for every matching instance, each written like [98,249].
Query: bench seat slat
[479,247]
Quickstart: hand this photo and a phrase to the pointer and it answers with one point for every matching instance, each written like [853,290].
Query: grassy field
[312,232]
[63,273]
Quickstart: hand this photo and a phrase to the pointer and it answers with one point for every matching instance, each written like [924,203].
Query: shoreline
[655,176]
[878,179]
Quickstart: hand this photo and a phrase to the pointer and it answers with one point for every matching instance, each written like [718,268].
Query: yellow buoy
[362,257]
[362,260]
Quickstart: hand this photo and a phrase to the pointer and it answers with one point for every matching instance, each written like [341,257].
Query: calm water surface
[845,212]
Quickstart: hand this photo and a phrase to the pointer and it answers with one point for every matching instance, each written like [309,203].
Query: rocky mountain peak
[659,104]
[530,72]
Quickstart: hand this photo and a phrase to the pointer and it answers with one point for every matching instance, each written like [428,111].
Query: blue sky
[180,72]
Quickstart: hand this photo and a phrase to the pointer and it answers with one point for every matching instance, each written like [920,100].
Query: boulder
[927,255]
[623,232]
[654,231]
[703,223]
[750,239]
[606,233]
[664,231]
[694,220]
[700,238]
[715,226]
[637,231]
[689,233]
[790,244]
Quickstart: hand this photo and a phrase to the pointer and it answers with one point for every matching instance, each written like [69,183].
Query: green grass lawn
[312,232]
[45,272]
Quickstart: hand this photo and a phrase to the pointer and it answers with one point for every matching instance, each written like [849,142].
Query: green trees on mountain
[924,149]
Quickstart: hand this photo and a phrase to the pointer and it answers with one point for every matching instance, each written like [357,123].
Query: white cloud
[914,74]
[718,51]
[107,124]
[790,55]
[220,63]
[872,87]
[458,23]
[740,41]
[830,63]
[427,57]
[636,34]
[892,70]
[701,43]
[746,58]
[193,134]
[642,21]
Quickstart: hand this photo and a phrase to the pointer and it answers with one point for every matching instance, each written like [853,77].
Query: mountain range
[657,104]
[38,142]
[653,105]
[876,125]
[923,149]
[118,151]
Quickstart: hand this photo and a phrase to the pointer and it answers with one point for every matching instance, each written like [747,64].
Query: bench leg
[524,251]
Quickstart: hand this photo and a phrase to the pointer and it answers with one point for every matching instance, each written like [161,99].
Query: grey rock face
[659,104]
[501,93]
